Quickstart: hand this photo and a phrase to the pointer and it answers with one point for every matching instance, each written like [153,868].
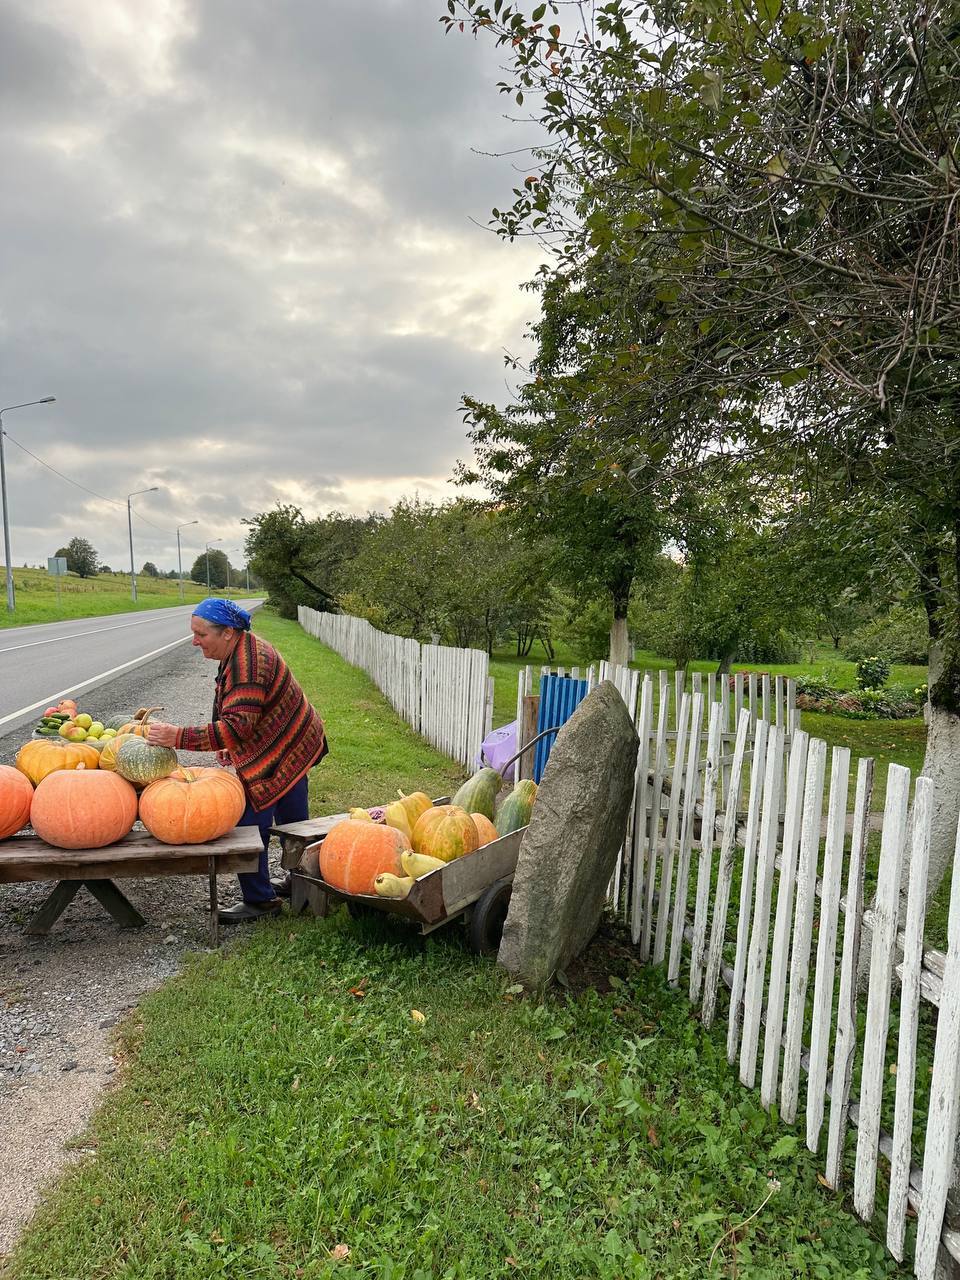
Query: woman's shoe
[246,912]
[281,886]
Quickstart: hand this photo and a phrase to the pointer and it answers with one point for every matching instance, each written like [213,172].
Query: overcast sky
[238,243]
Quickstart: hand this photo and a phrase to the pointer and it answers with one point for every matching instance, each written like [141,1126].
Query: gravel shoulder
[62,996]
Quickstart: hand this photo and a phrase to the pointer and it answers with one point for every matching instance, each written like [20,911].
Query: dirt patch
[610,954]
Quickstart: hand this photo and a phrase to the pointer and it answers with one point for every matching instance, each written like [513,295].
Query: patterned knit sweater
[262,718]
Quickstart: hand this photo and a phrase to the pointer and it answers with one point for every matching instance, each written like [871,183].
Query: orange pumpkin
[138,725]
[16,796]
[446,832]
[192,806]
[355,853]
[83,808]
[486,831]
[42,756]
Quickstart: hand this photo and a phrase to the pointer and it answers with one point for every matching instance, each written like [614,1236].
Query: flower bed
[890,703]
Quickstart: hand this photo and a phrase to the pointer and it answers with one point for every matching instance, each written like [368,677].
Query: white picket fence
[690,835]
[445,694]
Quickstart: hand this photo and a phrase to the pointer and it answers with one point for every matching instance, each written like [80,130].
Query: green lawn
[35,594]
[284,1113]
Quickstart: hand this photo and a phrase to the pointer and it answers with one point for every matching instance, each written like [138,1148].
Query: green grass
[273,1119]
[35,594]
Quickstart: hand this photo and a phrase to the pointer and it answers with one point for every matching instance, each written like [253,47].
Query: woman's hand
[161,735]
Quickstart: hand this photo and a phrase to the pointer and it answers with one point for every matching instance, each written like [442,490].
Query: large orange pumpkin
[486,831]
[192,806]
[42,756]
[83,808]
[445,831]
[16,796]
[355,853]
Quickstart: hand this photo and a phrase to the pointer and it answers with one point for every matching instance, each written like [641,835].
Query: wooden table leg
[118,904]
[53,906]
[214,906]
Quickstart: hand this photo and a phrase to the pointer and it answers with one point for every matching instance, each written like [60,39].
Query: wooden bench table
[27,857]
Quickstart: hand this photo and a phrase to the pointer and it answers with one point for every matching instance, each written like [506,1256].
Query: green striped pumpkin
[516,809]
[479,793]
[141,763]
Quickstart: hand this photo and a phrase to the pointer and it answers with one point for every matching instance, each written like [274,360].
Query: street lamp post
[209,545]
[11,604]
[229,554]
[179,565]
[133,574]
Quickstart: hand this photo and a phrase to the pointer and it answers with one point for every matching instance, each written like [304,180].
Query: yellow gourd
[419,864]
[395,815]
[387,885]
[360,815]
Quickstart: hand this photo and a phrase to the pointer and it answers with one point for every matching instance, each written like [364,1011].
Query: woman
[263,725]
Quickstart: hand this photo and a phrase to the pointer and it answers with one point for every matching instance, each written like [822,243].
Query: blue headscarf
[223,613]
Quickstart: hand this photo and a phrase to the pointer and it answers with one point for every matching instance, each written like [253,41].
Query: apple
[72,732]
[94,729]
[51,711]
[109,733]
[83,720]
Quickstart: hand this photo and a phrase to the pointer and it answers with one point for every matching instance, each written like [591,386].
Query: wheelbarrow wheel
[489,913]
[360,910]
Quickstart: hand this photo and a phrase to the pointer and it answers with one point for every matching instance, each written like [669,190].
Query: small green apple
[83,720]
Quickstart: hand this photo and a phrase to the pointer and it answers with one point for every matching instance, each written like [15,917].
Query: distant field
[35,595]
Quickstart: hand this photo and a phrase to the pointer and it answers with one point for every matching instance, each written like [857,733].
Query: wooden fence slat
[691,794]
[752,695]
[793,715]
[724,872]
[725,718]
[656,797]
[944,1107]
[708,820]
[760,931]
[826,962]
[678,683]
[885,910]
[846,1040]
[900,1161]
[803,926]
[641,808]
[780,949]
[765,697]
[779,702]
[666,873]
[746,882]
[738,694]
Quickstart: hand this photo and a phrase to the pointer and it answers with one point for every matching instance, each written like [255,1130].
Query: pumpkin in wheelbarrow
[446,832]
[356,852]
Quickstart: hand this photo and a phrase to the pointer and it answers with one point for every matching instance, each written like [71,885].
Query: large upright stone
[570,847]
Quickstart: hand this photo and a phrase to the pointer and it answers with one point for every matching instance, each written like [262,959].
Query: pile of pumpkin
[76,796]
[383,851]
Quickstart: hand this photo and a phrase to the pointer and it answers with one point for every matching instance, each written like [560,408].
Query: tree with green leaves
[210,565]
[302,561]
[81,557]
[787,179]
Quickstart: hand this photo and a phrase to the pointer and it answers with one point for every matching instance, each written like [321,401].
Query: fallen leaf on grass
[652,1136]
[339,1252]
[295,1085]
[417,1016]
[511,1261]
[823,1181]
[358,993]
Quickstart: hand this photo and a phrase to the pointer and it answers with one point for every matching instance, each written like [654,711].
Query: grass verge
[286,1115]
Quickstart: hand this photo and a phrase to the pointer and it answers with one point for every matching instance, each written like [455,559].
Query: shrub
[872,672]
[899,636]
[815,687]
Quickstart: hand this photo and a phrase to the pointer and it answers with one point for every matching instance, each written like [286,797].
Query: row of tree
[83,559]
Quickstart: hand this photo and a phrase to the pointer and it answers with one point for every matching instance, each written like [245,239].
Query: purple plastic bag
[499,745]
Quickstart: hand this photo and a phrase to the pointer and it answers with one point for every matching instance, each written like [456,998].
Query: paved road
[40,664]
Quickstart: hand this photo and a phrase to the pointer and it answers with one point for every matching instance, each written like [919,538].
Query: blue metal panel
[559,698]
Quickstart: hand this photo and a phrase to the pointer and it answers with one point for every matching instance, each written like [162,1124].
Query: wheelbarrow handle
[526,747]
